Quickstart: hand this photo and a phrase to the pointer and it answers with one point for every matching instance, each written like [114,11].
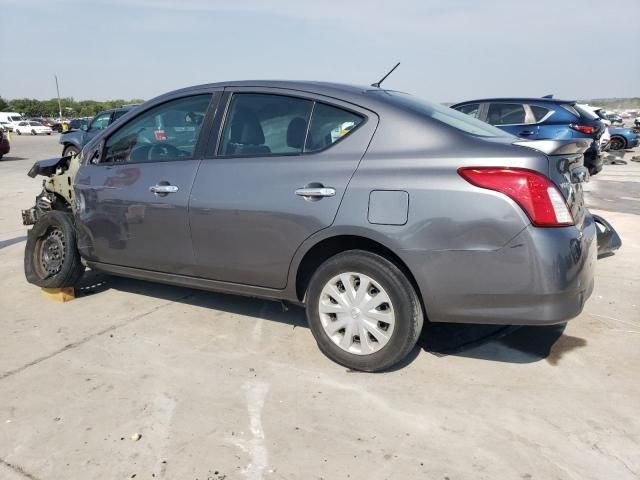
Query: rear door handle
[527,132]
[316,192]
[159,189]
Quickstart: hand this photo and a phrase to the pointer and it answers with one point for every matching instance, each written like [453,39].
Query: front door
[278,175]
[133,201]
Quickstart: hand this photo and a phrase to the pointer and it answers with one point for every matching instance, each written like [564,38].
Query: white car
[605,138]
[34,128]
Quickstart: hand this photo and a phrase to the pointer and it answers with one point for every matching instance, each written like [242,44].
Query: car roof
[518,100]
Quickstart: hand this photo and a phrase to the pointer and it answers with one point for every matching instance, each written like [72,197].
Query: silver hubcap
[356,313]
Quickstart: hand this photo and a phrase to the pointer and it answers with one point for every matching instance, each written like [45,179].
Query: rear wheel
[363,311]
[51,257]
[70,150]
[18,132]
[617,143]
[33,132]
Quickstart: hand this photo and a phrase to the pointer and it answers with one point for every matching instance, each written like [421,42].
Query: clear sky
[450,50]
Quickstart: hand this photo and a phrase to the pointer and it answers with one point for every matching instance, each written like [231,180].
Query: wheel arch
[329,246]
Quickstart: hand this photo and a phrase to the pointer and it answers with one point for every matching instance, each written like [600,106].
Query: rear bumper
[543,276]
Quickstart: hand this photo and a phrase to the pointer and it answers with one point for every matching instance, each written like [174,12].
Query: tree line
[30,107]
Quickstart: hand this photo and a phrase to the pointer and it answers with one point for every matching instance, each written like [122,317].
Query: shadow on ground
[499,343]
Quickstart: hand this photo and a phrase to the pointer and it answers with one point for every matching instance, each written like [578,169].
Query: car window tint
[506,114]
[328,125]
[165,132]
[101,121]
[539,112]
[571,109]
[118,114]
[265,124]
[473,109]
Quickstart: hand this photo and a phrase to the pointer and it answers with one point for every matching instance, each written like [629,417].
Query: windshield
[442,114]
[16,119]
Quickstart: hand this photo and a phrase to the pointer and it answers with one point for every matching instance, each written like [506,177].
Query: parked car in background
[73,141]
[622,138]
[541,119]
[615,118]
[373,208]
[34,128]
[11,118]
[5,147]
[78,123]
[43,121]
[606,135]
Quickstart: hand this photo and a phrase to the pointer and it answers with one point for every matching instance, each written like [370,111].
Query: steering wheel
[163,151]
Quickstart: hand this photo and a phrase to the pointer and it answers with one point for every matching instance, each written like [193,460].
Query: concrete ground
[225,387]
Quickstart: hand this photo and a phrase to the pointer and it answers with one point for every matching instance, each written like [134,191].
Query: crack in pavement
[84,340]
[18,469]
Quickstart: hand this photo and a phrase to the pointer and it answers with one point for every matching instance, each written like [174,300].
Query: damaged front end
[57,188]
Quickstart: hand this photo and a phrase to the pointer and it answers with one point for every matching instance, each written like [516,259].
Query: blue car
[622,138]
[540,119]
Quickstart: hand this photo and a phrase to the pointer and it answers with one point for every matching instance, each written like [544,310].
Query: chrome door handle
[316,192]
[163,189]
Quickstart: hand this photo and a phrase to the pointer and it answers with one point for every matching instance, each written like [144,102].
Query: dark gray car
[376,210]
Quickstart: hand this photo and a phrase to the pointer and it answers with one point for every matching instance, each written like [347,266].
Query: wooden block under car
[60,294]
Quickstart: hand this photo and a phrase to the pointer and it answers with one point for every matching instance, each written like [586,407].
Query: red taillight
[535,193]
[586,129]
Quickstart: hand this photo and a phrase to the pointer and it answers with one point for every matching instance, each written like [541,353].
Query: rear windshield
[442,114]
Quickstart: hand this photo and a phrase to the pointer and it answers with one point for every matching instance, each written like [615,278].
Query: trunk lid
[566,169]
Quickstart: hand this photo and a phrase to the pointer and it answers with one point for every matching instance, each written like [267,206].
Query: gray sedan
[376,210]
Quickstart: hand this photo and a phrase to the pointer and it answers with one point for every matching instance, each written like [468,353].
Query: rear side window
[571,109]
[265,124]
[539,112]
[506,114]
[328,125]
[473,109]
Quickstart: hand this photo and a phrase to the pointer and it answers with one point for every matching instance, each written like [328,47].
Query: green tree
[4,106]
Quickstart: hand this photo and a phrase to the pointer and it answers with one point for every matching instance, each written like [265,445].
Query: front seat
[247,137]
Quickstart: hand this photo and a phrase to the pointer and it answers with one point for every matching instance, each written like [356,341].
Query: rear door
[274,176]
[133,197]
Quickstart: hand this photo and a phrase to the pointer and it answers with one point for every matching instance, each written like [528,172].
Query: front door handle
[527,132]
[163,189]
[316,192]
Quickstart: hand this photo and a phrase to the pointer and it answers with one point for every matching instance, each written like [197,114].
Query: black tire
[51,257]
[406,304]
[18,132]
[70,150]
[34,133]
[617,143]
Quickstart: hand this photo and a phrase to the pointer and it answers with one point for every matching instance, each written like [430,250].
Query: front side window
[473,109]
[166,132]
[118,114]
[506,114]
[328,125]
[100,122]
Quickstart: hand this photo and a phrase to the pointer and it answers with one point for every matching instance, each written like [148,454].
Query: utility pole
[59,103]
